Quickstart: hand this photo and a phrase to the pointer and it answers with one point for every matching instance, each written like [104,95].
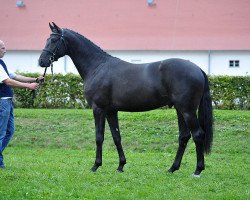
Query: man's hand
[40,79]
[32,86]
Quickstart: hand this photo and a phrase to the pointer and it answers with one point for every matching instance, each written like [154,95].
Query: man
[7,81]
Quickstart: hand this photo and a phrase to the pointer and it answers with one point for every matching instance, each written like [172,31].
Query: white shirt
[4,75]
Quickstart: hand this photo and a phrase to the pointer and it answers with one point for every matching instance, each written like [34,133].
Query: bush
[67,91]
[58,91]
[230,92]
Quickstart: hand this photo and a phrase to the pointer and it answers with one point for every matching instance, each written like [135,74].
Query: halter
[51,59]
[53,54]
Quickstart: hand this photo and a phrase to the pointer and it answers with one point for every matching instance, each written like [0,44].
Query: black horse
[113,85]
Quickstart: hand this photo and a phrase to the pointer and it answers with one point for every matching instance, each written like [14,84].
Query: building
[213,34]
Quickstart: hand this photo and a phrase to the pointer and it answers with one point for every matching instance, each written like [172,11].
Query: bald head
[2,49]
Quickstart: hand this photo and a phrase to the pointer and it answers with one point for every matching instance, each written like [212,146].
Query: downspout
[65,64]
[209,62]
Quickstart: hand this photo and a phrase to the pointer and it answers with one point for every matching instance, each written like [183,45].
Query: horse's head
[55,47]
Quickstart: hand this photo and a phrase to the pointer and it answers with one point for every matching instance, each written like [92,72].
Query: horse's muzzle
[43,63]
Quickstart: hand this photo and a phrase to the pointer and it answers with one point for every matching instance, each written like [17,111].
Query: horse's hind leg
[184,136]
[112,118]
[198,137]
[99,116]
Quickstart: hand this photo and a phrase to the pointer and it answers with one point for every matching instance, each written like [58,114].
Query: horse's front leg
[99,116]
[112,118]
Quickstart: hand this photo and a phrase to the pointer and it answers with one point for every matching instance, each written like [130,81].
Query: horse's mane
[89,42]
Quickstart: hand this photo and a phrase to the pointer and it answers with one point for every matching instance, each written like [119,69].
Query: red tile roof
[131,24]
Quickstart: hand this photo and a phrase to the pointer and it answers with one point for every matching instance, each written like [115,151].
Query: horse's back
[181,68]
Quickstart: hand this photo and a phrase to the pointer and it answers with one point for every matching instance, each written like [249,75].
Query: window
[234,63]
[231,63]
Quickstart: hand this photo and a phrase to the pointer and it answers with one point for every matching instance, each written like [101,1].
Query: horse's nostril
[41,63]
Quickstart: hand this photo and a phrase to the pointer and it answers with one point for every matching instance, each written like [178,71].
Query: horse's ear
[51,27]
[54,28]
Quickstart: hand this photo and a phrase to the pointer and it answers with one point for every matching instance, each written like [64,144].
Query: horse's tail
[205,114]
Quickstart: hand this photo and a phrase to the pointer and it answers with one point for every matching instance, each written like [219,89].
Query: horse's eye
[53,40]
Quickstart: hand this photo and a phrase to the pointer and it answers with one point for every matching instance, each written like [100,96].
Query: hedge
[58,91]
[67,91]
[230,92]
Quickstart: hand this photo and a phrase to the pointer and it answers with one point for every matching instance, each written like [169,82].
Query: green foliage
[67,91]
[59,91]
[230,92]
[52,151]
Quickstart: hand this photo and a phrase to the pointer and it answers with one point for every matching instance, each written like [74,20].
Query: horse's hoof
[196,175]
[172,169]
[94,169]
[120,170]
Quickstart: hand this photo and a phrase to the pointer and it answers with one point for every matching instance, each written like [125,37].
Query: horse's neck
[84,57]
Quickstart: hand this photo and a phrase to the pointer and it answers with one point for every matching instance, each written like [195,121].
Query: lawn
[52,151]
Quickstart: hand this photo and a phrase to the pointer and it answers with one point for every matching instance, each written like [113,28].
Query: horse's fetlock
[200,167]
[98,163]
[123,161]
[176,167]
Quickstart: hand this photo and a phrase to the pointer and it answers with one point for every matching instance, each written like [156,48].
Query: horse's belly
[139,104]
[139,109]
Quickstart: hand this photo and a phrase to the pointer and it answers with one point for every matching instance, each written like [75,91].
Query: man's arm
[27,79]
[24,78]
[14,83]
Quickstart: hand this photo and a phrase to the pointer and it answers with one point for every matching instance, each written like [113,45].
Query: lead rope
[36,92]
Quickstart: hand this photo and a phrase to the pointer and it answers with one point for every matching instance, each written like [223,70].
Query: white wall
[200,58]
[220,63]
[216,64]
[22,61]
[27,61]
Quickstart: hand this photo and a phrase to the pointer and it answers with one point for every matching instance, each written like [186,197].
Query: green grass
[52,152]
